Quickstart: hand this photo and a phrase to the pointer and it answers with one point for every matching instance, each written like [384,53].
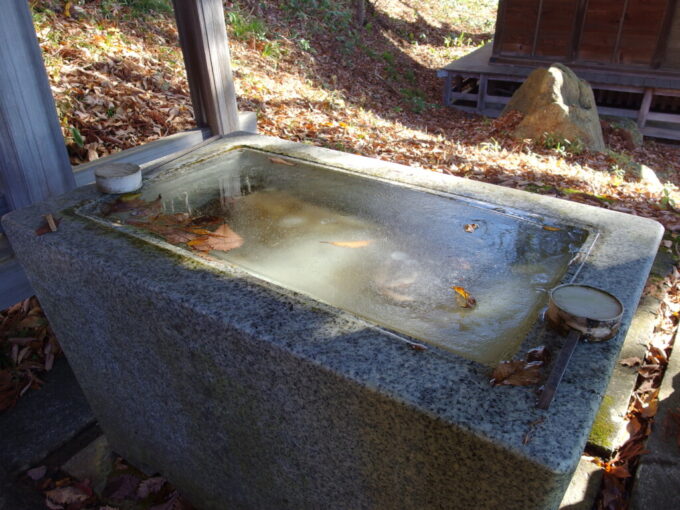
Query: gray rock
[556,102]
[648,176]
[94,463]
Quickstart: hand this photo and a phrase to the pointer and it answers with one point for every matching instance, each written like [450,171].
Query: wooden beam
[143,155]
[664,33]
[615,54]
[577,29]
[203,37]
[500,26]
[33,159]
[537,28]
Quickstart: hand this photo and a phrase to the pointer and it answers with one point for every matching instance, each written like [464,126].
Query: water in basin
[387,253]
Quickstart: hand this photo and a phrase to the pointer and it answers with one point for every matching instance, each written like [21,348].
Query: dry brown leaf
[66,495]
[349,244]
[150,486]
[631,362]
[517,373]
[470,227]
[49,225]
[540,353]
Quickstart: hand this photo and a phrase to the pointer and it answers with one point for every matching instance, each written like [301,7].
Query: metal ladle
[580,312]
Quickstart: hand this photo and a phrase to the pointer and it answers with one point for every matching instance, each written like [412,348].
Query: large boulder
[558,103]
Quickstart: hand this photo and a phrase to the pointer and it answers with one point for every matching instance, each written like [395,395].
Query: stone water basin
[325,360]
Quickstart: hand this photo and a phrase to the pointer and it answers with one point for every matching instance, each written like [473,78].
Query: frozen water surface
[398,251]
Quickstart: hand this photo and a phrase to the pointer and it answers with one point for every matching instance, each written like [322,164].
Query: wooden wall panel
[556,28]
[518,27]
[600,30]
[640,33]
[672,57]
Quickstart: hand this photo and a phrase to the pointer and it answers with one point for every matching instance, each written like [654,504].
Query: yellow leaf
[349,244]
[551,229]
[469,301]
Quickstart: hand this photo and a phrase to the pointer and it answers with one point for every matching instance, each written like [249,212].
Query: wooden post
[644,107]
[34,163]
[481,95]
[203,37]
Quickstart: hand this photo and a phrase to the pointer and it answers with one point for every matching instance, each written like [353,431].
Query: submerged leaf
[349,244]
[222,239]
[551,229]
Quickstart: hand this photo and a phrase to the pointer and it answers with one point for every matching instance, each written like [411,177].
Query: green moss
[604,431]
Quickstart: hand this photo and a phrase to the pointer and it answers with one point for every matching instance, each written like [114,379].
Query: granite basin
[250,387]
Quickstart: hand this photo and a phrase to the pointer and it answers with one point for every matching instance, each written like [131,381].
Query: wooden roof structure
[34,164]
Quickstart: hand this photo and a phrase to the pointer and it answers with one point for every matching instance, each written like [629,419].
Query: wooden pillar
[203,37]
[34,163]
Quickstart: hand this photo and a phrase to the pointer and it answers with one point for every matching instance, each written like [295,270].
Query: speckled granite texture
[248,396]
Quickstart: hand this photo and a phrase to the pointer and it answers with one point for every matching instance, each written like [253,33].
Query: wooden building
[629,51]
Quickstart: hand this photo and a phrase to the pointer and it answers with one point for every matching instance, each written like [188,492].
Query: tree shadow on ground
[371,67]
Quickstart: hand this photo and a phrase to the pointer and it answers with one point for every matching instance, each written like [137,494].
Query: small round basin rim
[616,317]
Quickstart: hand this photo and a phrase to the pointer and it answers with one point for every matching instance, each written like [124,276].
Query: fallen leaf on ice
[280,161]
[467,300]
[349,244]
[470,227]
